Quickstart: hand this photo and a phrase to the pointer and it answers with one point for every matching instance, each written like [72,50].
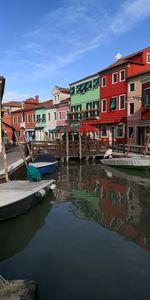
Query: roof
[45,104]
[125,60]
[85,78]
[12,104]
[63,90]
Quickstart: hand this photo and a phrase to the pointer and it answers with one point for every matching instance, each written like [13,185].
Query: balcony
[83,114]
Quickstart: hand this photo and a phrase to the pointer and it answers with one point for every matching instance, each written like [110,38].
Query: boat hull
[18,198]
[45,168]
[128,163]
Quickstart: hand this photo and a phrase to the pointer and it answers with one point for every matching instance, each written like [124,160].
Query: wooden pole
[30,152]
[5,163]
[147,144]
[130,142]
[67,147]
[80,146]
[22,153]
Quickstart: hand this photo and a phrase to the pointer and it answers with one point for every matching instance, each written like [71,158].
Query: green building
[85,100]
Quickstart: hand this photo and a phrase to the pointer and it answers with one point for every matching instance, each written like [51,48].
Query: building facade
[114,93]
[85,98]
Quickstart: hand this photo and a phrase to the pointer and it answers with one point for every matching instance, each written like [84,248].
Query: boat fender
[40,194]
[53,186]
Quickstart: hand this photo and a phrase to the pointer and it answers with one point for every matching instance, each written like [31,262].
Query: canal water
[88,240]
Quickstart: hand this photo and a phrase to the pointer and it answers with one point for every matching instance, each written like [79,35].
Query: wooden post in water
[80,146]
[22,153]
[67,147]
[5,162]
[147,144]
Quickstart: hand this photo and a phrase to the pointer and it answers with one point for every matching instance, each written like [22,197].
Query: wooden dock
[65,150]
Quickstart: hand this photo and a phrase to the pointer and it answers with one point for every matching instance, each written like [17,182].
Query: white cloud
[67,33]
[14,96]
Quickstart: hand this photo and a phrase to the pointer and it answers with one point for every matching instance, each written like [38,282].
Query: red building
[23,120]
[145,123]
[113,94]
[7,109]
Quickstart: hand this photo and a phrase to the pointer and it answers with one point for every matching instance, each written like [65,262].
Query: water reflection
[116,200]
[16,233]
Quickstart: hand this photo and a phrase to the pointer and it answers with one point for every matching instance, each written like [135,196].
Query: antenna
[118,56]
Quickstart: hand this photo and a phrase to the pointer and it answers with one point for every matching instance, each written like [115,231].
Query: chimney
[37,98]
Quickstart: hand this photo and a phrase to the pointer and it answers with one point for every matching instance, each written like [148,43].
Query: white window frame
[14,120]
[120,102]
[18,117]
[33,117]
[123,70]
[113,77]
[129,109]
[148,55]
[28,117]
[116,104]
[129,89]
[104,85]
[102,105]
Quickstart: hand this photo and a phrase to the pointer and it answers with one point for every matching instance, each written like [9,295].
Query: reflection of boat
[135,162]
[15,234]
[111,172]
[45,163]
[17,197]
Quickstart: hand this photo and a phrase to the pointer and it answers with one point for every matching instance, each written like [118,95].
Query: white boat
[134,162]
[17,197]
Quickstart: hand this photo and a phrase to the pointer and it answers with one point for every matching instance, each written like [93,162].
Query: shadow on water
[16,233]
[114,199]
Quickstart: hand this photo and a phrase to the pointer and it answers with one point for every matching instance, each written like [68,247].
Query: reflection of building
[122,211]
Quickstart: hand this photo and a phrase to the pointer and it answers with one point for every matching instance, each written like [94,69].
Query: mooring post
[67,147]
[80,146]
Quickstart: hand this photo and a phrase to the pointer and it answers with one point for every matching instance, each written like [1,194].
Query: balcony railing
[83,114]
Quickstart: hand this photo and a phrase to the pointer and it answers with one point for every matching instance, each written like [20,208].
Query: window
[130,131]
[43,118]
[122,75]
[147,97]
[148,58]
[113,103]
[95,83]
[14,120]
[60,115]
[131,108]
[58,97]
[132,87]
[103,130]
[72,90]
[114,78]
[18,121]
[122,102]
[38,118]
[103,81]
[119,131]
[28,118]
[33,118]
[55,116]
[49,116]
[104,109]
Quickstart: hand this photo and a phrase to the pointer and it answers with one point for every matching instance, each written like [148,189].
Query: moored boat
[17,197]
[45,163]
[135,162]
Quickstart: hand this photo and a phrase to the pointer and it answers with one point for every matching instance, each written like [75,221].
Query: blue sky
[46,43]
